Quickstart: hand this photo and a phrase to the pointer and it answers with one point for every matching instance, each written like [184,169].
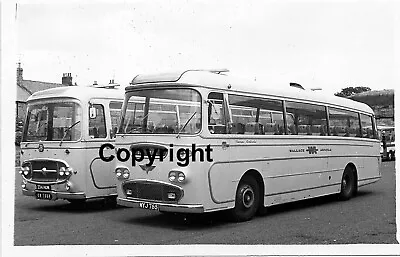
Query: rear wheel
[246,200]
[348,184]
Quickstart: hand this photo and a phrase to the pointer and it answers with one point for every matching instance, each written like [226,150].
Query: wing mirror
[92,112]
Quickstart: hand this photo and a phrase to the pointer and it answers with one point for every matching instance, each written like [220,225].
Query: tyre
[246,200]
[348,185]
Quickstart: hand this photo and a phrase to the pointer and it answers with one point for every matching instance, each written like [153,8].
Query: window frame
[94,104]
[325,110]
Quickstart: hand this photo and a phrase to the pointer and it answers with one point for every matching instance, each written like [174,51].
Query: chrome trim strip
[54,171]
[293,137]
[187,208]
[297,158]
[44,182]
[303,189]
[364,179]
[304,173]
[151,181]
[56,195]
[46,159]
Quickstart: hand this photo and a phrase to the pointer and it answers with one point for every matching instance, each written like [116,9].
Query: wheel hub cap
[248,197]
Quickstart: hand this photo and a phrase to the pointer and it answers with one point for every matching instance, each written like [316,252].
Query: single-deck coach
[270,144]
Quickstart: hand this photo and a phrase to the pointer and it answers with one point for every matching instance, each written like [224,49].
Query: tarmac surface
[369,218]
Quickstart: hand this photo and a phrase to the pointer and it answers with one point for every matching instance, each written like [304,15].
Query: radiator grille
[45,170]
[148,190]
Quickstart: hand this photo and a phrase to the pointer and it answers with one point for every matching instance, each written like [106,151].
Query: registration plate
[43,196]
[148,206]
[43,187]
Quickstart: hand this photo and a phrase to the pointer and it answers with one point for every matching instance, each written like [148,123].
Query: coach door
[221,186]
[101,173]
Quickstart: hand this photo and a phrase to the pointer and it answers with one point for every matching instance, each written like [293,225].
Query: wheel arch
[260,181]
[353,168]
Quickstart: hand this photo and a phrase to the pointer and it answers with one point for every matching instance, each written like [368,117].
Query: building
[26,88]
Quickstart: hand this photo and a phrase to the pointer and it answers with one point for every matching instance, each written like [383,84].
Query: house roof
[31,86]
[35,86]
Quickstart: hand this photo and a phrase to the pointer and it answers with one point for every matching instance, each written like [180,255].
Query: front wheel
[348,185]
[246,200]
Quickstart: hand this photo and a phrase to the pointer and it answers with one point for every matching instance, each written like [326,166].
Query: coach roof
[212,79]
[79,92]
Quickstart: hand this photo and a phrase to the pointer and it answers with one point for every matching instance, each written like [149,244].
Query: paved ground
[367,218]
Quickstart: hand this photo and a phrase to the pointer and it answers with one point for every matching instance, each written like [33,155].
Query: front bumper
[55,195]
[168,207]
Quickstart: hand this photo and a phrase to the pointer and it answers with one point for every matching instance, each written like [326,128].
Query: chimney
[67,79]
[19,74]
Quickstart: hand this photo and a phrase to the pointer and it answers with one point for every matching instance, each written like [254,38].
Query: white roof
[79,92]
[221,81]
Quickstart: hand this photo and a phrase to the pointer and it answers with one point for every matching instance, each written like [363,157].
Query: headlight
[172,176]
[122,173]
[64,172]
[181,177]
[125,174]
[177,176]
[118,172]
[69,171]
[25,170]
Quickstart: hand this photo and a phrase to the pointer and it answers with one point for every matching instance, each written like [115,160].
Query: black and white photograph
[195,128]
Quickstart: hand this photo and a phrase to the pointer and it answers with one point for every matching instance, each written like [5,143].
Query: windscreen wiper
[184,126]
[65,132]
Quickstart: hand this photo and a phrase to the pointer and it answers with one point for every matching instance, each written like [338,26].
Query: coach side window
[115,114]
[216,114]
[256,116]
[306,119]
[366,126]
[343,123]
[97,125]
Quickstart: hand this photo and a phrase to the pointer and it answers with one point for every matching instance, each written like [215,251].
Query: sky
[318,44]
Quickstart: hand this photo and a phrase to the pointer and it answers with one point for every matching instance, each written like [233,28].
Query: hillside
[382,102]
